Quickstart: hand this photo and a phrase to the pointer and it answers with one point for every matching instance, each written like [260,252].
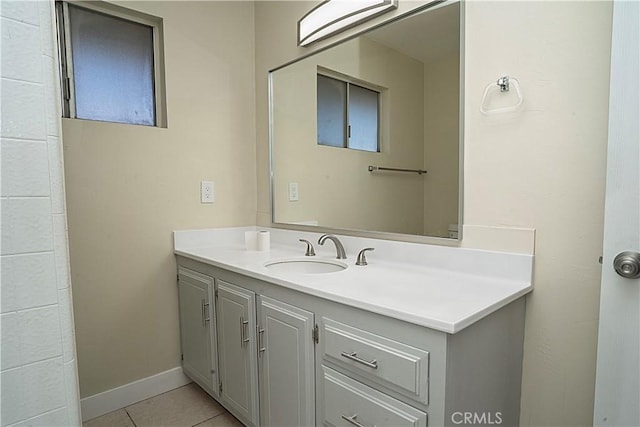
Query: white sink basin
[305,266]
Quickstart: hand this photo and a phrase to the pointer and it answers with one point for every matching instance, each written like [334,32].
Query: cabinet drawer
[350,403]
[398,366]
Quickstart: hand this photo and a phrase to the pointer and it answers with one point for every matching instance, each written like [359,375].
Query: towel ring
[504,84]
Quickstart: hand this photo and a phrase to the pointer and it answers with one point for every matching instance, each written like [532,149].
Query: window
[110,64]
[348,114]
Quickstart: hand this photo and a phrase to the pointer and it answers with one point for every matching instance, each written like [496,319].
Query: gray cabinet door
[197,328]
[237,351]
[286,359]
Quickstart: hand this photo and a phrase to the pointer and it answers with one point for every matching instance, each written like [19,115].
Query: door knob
[627,264]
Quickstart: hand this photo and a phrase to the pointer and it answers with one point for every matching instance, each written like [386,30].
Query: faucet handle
[362,260]
[309,251]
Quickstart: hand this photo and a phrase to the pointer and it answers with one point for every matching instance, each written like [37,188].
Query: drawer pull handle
[352,420]
[354,356]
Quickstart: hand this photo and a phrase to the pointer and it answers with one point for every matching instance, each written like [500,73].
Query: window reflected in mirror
[348,114]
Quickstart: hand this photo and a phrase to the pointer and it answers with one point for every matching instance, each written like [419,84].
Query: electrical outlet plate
[207,192]
[293,192]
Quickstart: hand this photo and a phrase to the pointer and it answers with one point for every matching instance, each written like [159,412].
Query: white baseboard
[128,394]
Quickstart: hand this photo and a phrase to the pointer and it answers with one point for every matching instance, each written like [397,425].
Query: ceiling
[426,36]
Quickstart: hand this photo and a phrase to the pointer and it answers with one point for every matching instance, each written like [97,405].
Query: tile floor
[187,406]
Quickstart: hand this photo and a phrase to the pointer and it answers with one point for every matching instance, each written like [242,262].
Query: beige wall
[442,150]
[541,167]
[129,187]
[544,167]
[335,188]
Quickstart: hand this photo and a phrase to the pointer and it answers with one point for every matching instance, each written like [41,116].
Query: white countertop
[443,288]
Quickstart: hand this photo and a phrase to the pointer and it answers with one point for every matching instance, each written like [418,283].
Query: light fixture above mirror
[332,16]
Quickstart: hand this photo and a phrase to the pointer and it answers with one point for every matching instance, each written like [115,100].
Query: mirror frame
[411,238]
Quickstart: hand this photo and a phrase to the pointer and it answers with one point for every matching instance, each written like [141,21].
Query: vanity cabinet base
[484,369]
[339,365]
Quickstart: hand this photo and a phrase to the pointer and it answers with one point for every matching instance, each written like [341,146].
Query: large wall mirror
[388,98]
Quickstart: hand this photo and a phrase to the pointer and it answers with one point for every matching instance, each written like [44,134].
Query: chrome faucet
[339,248]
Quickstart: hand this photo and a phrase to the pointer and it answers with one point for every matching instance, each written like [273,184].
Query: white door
[285,347]
[617,394]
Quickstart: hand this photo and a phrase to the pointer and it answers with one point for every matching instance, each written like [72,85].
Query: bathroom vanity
[422,335]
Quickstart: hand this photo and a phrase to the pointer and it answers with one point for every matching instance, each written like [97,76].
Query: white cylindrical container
[264,240]
[251,240]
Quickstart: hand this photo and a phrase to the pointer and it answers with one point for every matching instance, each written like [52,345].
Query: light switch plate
[207,192]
